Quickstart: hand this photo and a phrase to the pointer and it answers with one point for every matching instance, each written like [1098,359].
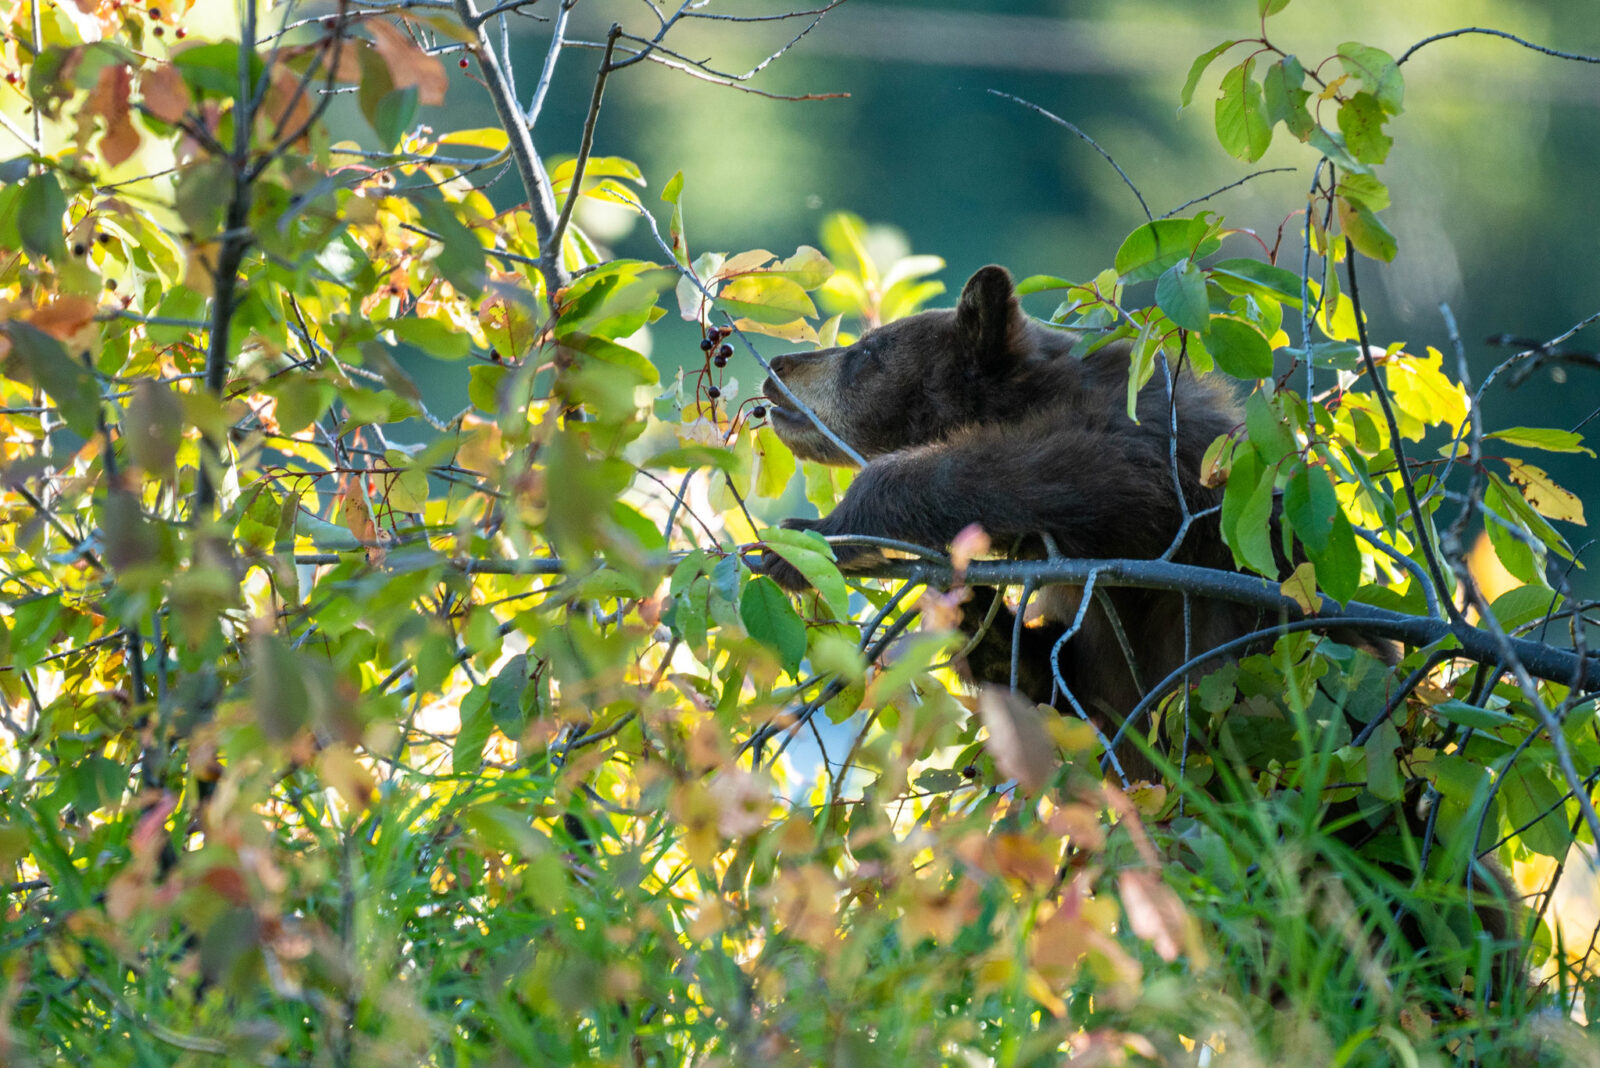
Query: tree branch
[530,166]
[584,149]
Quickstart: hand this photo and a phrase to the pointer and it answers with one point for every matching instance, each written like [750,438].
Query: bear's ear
[989,321]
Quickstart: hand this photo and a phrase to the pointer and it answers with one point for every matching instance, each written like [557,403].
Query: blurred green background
[1493,170]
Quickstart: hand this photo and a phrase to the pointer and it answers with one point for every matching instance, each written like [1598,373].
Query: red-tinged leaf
[1016,738]
[409,66]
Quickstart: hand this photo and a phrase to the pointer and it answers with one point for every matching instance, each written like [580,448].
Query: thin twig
[1494,33]
[1059,121]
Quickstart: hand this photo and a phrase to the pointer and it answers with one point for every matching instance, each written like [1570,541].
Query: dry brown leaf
[409,65]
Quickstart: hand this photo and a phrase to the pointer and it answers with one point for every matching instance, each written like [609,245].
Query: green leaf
[1361,120]
[466,756]
[396,111]
[214,68]
[407,488]
[1197,68]
[1269,426]
[1364,189]
[1513,504]
[1331,145]
[1365,230]
[1550,440]
[1339,564]
[1271,7]
[672,193]
[461,258]
[39,216]
[1383,769]
[1310,505]
[1285,99]
[1377,72]
[1181,293]
[505,697]
[1238,348]
[812,557]
[301,402]
[70,384]
[1155,246]
[1531,796]
[1247,510]
[483,386]
[437,339]
[770,619]
[1241,116]
[1465,715]
[1523,605]
[1246,277]
[775,464]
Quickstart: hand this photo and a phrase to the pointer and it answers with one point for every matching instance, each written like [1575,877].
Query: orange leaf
[165,95]
[109,100]
[64,316]
[409,65]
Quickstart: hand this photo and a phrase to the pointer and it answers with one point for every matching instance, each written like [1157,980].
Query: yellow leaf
[1422,392]
[1301,587]
[1541,491]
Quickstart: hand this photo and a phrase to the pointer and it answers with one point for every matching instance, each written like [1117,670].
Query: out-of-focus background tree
[1488,172]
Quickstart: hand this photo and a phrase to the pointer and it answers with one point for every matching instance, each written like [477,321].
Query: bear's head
[912,381]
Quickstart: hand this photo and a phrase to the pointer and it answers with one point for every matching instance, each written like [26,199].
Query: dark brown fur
[981,415]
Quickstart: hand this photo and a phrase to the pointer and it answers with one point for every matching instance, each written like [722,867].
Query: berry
[759,411]
[720,361]
[182,33]
[12,77]
[79,249]
[103,237]
[713,392]
[970,771]
[706,344]
[160,30]
[155,12]
[111,284]
[714,333]
[725,351]
[462,63]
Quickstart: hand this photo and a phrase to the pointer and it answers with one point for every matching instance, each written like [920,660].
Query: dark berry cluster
[718,350]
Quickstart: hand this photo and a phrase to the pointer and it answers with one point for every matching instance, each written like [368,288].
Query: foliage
[343,729]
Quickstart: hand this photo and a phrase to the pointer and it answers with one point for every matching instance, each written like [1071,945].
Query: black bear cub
[982,415]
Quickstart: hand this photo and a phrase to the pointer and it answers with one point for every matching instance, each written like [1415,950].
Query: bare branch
[587,144]
[1059,121]
[1495,33]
